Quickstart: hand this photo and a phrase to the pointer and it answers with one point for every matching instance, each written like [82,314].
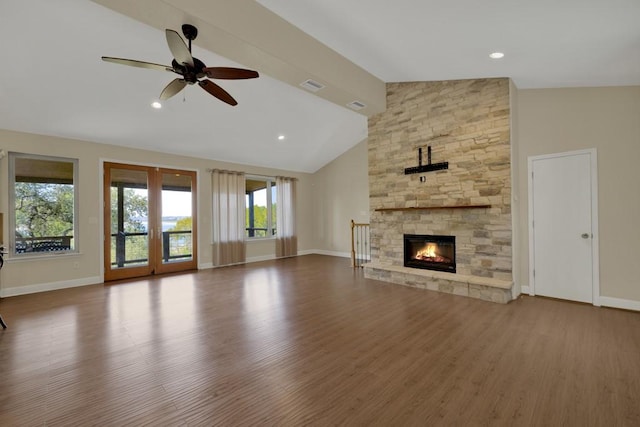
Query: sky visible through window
[260,198]
[174,203]
[178,203]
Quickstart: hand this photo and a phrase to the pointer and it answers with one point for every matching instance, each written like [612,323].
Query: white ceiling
[547,43]
[53,82]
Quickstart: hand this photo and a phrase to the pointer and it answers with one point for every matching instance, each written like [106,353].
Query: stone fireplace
[465,123]
[430,252]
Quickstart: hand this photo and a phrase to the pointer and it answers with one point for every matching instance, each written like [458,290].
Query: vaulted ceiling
[53,82]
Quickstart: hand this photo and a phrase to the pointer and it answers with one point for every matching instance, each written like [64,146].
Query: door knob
[585,235]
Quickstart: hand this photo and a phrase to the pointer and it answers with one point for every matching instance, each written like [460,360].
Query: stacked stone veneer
[466,122]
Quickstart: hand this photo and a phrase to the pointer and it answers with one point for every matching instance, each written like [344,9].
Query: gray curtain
[286,237]
[228,217]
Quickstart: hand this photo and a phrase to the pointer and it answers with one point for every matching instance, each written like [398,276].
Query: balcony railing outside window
[129,249]
[260,232]
[43,244]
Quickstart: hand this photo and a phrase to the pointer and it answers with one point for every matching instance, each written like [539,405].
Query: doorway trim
[595,266]
[101,219]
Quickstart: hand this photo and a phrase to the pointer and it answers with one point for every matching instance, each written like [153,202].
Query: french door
[149,221]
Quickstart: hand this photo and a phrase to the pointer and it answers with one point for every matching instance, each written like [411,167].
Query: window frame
[271,225]
[12,203]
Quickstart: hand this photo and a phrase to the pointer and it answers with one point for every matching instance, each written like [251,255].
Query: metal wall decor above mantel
[429,167]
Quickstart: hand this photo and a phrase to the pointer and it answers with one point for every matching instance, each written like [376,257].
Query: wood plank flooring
[310,341]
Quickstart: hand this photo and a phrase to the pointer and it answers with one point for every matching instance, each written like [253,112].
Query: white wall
[341,193]
[546,121]
[58,271]
[608,119]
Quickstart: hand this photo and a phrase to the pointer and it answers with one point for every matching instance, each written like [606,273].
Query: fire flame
[428,251]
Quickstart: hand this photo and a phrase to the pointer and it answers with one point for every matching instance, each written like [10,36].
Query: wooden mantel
[428,208]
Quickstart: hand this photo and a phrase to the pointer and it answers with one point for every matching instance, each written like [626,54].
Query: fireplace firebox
[430,252]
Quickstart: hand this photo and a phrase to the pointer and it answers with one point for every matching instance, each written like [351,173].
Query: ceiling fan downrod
[190,33]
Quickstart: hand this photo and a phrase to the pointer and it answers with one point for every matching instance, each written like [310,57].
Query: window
[260,202]
[44,195]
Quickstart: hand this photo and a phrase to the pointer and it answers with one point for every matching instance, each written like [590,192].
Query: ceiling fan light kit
[191,70]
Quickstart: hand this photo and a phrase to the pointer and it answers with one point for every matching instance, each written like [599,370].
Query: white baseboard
[307,252]
[251,259]
[525,290]
[625,304]
[300,253]
[330,253]
[260,258]
[52,286]
[515,294]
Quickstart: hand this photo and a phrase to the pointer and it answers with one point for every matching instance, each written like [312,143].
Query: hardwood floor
[309,341]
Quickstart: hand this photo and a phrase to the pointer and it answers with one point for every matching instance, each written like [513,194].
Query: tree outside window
[44,197]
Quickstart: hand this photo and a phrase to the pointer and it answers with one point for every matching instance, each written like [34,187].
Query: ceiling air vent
[312,85]
[356,105]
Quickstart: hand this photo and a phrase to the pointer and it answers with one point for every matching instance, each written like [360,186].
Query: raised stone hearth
[483,288]
[467,124]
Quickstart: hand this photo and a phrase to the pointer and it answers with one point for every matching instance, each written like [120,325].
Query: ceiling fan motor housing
[190,32]
[190,74]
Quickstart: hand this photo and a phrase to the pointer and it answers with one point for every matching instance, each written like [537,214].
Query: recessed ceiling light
[496,55]
[156,105]
[280,137]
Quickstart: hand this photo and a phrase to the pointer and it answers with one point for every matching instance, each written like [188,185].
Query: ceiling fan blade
[139,64]
[178,48]
[230,73]
[172,88]
[217,91]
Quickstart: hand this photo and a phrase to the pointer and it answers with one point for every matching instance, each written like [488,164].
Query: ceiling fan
[191,70]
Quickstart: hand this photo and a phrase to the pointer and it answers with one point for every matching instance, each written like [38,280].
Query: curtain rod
[211,170]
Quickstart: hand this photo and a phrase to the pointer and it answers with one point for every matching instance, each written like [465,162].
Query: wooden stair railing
[360,244]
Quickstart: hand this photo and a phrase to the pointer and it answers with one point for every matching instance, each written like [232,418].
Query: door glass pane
[177,243]
[129,218]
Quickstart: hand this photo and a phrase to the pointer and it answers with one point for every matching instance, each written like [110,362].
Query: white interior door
[562,210]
